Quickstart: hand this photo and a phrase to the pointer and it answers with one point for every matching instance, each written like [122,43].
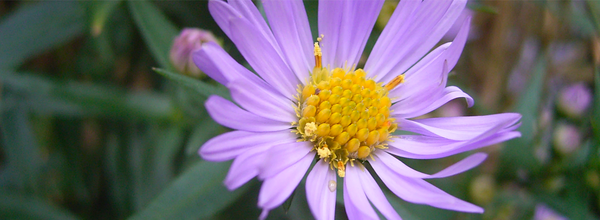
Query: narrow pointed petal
[429,147]
[262,102]
[289,23]
[356,202]
[419,191]
[221,67]
[246,166]
[400,47]
[231,144]
[249,11]
[419,94]
[277,189]
[376,196]
[422,105]
[455,148]
[282,156]
[459,128]
[320,197]
[346,26]
[221,13]
[263,57]
[230,115]
[459,167]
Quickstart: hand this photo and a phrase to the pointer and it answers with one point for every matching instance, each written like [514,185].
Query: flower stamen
[318,55]
[395,82]
[344,114]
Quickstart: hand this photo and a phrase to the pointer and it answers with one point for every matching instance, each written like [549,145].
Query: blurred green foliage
[96,124]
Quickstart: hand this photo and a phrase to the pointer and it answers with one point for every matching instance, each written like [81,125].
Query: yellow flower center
[344,114]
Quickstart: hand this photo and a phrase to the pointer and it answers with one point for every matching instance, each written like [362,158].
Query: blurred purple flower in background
[310,101]
[575,99]
[543,212]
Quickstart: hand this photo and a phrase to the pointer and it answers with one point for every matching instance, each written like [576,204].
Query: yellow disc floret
[344,114]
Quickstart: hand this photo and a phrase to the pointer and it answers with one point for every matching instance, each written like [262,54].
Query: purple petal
[421,105]
[277,189]
[419,94]
[246,166]
[230,115]
[221,67]
[426,147]
[398,51]
[459,128]
[260,101]
[283,156]
[403,16]
[289,23]
[249,11]
[346,26]
[376,196]
[419,191]
[356,202]
[231,144]
[459,167]
[263,57]
[221,13]
[321,199]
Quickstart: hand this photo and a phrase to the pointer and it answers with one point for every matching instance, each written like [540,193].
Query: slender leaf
[158,170]
[200,87]
[518,154]
[205,130]
[157,30]
[20,147]
[100,13]
[198,193]
[18,206]
[116,174]
[35,28]
[84,99]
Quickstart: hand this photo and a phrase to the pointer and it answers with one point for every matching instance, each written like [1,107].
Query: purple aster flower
[309,102]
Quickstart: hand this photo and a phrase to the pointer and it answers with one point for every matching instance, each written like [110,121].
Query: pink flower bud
[188,41]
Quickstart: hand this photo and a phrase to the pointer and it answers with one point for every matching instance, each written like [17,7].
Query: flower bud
[566,138]
[574,100]
[188,41]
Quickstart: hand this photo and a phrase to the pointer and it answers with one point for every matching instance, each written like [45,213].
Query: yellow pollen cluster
[345,115]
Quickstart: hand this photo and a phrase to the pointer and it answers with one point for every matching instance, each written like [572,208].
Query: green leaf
[35,28]
[100,13]
[200,87]
[157,30]
[205,130]
[288,202]
[20,148]
[165,144]
[85,99]
[518,154]
[198,193]
[594,10]
[18,206]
